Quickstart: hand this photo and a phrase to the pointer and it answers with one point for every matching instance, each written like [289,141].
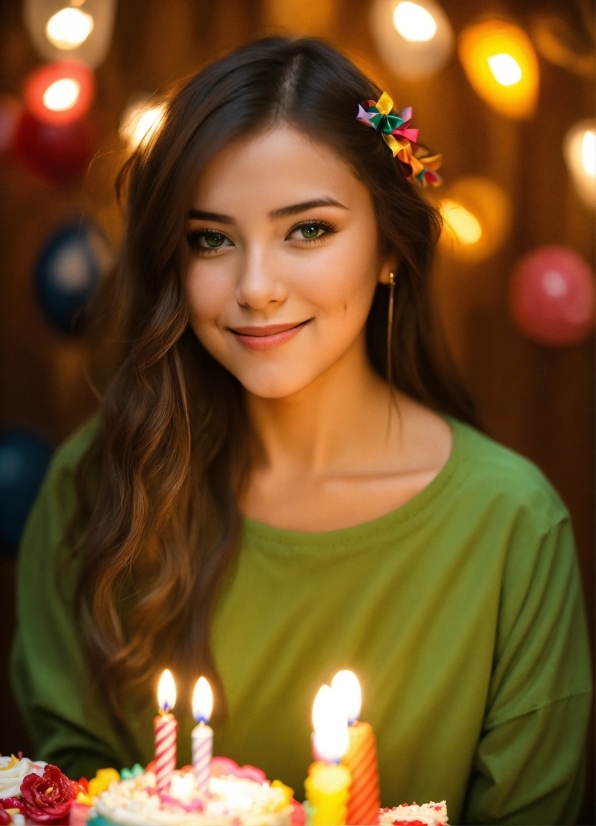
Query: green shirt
[460,611]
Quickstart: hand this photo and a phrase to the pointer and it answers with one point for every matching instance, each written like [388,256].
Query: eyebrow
[283,212]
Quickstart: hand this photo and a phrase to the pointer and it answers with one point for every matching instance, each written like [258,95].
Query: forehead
[272,168]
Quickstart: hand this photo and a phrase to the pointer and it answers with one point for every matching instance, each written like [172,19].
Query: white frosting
[230,801]
[431,814]
[11,776]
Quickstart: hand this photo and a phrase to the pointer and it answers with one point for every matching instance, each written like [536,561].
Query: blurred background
[504,89]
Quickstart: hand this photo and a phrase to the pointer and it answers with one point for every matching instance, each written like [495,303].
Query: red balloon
[551,296]
[57,152]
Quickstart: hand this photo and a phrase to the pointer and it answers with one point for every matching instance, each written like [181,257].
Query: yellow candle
[328,782]
[327,788]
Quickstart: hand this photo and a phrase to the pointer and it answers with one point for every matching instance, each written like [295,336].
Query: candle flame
[202,701]
[166,691]
[330,723]
[346,687]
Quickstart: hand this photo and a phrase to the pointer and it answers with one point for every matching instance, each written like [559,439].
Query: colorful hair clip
[400,138]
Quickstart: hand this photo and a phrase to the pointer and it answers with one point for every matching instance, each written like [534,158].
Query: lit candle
[361,756]
[328,782]
[202,734]
[165,731]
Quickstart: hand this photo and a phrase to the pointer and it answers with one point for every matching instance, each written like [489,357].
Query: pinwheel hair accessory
[419,167]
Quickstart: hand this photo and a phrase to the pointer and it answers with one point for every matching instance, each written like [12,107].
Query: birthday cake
[241,798]
[428,814]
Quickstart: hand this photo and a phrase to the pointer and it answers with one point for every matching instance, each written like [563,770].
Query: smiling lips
[265,338]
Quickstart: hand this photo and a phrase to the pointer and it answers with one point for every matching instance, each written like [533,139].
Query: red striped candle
[166,727]
[361,759]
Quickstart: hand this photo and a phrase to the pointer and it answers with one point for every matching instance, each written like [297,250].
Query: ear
[390,265]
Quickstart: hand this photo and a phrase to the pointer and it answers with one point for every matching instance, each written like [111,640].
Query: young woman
[283,478]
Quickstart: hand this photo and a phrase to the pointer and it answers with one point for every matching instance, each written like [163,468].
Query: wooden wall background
[537,400]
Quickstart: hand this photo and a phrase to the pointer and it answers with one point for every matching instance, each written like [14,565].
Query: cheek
[343,282]
[208,291]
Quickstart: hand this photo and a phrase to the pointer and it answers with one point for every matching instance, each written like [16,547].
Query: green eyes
[207,240]
[309,231]
[214,239]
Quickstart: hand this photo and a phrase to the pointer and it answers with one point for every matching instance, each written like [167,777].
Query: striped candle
[202,751]
[202,734]
[166,727]
[361,759]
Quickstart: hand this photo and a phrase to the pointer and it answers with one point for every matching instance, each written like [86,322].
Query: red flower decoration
[5,818]
[46,799]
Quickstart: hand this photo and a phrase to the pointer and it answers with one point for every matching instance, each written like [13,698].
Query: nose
[259,284]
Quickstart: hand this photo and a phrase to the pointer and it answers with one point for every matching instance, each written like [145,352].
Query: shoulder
[69,453]
[504,480]
[57,490]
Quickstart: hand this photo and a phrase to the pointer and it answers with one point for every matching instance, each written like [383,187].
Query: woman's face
[283,260]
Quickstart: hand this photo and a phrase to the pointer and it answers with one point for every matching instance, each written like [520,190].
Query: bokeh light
[68,28]
[414,22]
[413,39]
[140,121]
[460,222]
[60,92]
[476,216]
[579,149]
[501,65]
[81,28]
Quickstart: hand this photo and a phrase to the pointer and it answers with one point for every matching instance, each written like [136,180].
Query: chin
[273,385]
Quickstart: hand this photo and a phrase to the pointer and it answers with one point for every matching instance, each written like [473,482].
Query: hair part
[157,527]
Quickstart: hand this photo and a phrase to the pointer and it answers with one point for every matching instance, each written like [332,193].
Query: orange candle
[361,759]
[361,756]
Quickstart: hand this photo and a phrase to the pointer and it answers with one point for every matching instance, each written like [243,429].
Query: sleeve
[529,763]
[48,672]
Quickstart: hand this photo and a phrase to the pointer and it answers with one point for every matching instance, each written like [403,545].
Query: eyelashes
[218,238]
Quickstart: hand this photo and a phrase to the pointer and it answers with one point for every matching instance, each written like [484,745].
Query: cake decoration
[428,814]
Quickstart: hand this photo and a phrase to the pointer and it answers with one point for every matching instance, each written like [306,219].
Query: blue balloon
[24,459]
[69,268]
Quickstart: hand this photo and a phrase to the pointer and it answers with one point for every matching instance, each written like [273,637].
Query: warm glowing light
[140,121]
[414,22]
[579,148]
[589,152]
[346,687]
[502,66]
[61,94]
[331,738]
[476,216]
[505,68]
[68,28]
[414,39]
[460,221]
[202,701]
[166,691]
[81,29]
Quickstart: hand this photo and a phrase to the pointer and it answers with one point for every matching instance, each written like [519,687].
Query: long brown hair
[157,525]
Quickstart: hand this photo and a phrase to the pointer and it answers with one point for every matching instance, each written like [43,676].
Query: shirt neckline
[377,527]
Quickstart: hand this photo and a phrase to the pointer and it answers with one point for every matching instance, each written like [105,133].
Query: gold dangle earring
[390,327]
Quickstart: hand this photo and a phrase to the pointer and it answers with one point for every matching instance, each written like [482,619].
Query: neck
[320,427]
